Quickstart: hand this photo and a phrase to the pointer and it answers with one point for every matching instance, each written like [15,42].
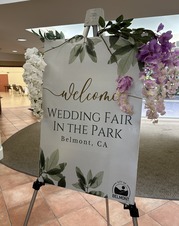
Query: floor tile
[91,198]
[66,201]
[83,217]
[51,223]
[13,180]
[2,203]
[118,215]
[49,189]
[40,214]
[18,195]
[166,215]
[144,220]
[4,218]
[4,170]
[147,204]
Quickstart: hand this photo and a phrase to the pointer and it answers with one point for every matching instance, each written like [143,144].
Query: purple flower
[165,37]
[164,41]
[150,52]
[160,27]
[124,83]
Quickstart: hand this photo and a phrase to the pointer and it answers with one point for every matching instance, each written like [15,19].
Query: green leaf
[109,23]
[53,160]
[131,40]
[62,166]
[92,54]
[35,33]
[96,40]
[113,30]
[40,33]
[90,43]
[54,171]
[80,175]
[56,177]
[101,22]
[123,50]
[97,180]
[76,38]
[89,176]
[120,18]
[75,52]
[62,182]
[82,185]
[126,62]
[76,185]
[113,59]
[47,163]
[50,36]
[113,40]
[82,54]
[48,180]
[42,160]
[59,35]
[101,31]
[121,43]
[128,21]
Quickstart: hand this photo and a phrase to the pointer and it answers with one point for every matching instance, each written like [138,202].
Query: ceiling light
[21,39]
[11,1]
[14,51]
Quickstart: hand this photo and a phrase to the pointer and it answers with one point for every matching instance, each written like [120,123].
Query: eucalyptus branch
[107,47]
[76,37]
[56,46]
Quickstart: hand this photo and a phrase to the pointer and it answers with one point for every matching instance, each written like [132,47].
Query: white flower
[31,51]
[33,77]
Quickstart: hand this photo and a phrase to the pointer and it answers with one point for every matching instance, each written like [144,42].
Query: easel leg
[107,211]
[36,186]
[134,213]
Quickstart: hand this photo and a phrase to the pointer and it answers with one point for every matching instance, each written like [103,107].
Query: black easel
[134,213]
[36,186]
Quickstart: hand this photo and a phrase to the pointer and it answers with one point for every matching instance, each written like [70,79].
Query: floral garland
[157,57]
[33,77]
[160,74]
[158,61]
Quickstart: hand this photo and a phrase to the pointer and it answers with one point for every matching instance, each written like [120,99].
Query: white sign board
[87,143]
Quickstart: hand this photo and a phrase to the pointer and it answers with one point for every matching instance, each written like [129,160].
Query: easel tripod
[40,182]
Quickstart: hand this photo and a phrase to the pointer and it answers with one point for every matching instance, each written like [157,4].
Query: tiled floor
[56,206]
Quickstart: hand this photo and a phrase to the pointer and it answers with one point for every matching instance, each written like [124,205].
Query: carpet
[21,151]
[158,165]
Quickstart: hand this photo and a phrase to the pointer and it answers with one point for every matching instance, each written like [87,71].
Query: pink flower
[123,102]
[124,83]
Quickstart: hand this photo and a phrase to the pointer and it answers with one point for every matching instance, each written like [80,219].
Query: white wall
[14,75]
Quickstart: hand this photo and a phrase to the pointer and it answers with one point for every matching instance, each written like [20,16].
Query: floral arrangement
[158,61]
[33,77]
[160,74]
[157,57]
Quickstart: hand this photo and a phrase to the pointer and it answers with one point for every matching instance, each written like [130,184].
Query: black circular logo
[121,190]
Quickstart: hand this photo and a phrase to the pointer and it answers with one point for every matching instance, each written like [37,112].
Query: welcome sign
[87,143]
